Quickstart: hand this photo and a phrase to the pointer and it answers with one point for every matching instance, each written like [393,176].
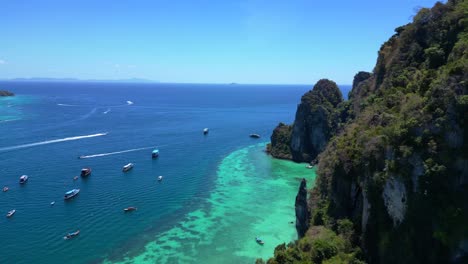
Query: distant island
[6,93]
[45,79]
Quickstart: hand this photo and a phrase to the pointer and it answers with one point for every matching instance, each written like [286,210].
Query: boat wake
[51,141]
[113,153]
[67,105]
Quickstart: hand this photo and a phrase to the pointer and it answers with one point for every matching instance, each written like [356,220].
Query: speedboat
[52,203]
[129,209]
[11,213]
[155,153]
[70,194]
[23,179]
[309,166]
[85,172]
[75,178]
[127,167]
[5,189]
[259,241]
[254,135]
[71,235]
[205,131]
[160,178]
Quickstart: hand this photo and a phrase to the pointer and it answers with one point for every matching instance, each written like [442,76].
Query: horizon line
[138,80]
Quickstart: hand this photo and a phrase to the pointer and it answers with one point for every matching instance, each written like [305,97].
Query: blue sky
[245,41]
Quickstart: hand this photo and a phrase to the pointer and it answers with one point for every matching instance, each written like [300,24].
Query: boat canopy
[156,151]
[70,192]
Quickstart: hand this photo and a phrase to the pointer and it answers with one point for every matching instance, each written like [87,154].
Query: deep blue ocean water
[48,125]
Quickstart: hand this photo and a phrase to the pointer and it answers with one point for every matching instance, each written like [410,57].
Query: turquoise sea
[219,191]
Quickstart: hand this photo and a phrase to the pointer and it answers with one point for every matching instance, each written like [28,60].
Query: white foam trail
[107,111]
[129,102]
[113,153]
[66,105]
[52,141]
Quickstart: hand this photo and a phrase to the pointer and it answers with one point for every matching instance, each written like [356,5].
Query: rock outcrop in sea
[302,210]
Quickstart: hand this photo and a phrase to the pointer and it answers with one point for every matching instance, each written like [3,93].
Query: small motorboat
[309,166]
[23,179]
[71,235]
[129,209]
[70,194]
[5,189]
[52,203]
[127,167]
[160,178]
[82,157]
[205,131]
[75,178]
[155,153]
[254,135]
[11,213]
[259,241]
[85,172]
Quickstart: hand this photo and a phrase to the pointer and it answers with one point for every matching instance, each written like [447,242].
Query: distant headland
[6,93]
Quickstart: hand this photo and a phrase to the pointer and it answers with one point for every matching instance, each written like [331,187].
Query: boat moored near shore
[254,135]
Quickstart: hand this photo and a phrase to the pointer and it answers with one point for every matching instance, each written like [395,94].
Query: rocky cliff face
[313,125]
[302,210]
[396,170]
[398,166]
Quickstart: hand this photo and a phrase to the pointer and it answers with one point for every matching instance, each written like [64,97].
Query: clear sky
[201,41]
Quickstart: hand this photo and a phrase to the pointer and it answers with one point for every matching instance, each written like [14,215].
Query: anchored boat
[71,235]
[11,213]
[23,179]
[254,135]
[70,194]
[85,172]
[127,167]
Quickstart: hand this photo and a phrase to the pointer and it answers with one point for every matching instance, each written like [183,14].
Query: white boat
[11,213]
[70,194]
[205,131]
[160,178]
[23,179]
[127,167]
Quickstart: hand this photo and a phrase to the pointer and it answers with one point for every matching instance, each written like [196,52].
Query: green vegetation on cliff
[396,171]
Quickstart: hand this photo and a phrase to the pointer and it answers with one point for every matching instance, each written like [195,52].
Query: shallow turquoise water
[253,196]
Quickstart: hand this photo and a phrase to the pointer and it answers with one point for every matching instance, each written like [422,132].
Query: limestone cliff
[313,125]
[397,167]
